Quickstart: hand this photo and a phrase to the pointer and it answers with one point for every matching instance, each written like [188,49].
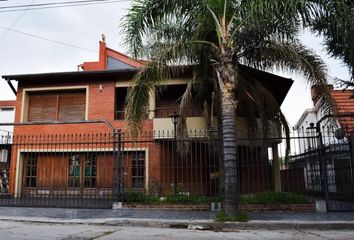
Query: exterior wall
[100,106]
[309,117]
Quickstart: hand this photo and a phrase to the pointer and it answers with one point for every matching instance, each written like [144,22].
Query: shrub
[273,198]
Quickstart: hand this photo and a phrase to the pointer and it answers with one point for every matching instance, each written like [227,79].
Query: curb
[193,224]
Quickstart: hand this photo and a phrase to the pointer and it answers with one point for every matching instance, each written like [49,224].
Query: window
[3,155]
[57,106]
[82,171]
[138,170]
[90,171]
[7,109]
[121,94]
[31,170]
[168,101]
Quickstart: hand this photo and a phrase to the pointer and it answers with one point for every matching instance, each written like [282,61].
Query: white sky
[82,26]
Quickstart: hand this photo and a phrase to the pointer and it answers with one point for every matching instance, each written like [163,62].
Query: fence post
[276,168]
[323,166]
[117,168]
[351,153]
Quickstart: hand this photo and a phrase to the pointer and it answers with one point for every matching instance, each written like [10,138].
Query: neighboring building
[336,142]
[78,156]
[305,126]
[7,115]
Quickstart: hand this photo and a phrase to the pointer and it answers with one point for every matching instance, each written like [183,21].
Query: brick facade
[197,172]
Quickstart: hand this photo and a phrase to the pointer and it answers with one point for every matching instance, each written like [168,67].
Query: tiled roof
[344,100]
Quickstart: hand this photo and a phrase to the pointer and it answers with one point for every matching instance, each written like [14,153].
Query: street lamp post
[174,117]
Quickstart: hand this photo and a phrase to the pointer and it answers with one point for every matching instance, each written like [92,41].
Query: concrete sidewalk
[177,219]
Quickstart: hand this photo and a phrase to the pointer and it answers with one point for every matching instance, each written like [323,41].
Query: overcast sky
[82,26]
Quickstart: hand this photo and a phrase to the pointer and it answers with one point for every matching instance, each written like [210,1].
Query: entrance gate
[329,169]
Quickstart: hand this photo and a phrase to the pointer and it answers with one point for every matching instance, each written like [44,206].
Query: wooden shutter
[42,107]
[72,106]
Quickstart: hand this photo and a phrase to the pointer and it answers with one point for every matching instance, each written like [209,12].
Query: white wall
[7,115]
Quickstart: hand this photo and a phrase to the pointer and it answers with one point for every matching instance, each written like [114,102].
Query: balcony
[163,127]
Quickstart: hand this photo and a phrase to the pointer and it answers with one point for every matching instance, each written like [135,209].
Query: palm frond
[186,100]
[336,24]
[280,10]
[138,97]
[292,56]
[166,63]
[146,16]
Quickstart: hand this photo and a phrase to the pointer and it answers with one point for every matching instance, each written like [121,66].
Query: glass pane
[74,171]
[87,171]
[77,172]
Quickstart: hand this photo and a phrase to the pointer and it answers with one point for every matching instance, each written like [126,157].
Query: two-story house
[65,145]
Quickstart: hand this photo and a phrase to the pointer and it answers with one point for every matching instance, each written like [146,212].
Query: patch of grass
[240,217]
[273,198]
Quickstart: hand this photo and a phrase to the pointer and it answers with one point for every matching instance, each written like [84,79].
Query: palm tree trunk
[227,74]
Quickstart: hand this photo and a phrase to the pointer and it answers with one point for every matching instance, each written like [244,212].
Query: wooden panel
[52,171]
[72,106]
[59,174]
[42,107]
[104,170]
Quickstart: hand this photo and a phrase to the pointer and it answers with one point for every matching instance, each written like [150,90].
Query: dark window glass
[31,170]
[138,170]
[90,171]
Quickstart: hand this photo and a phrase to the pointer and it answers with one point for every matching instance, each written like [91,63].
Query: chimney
[317,91]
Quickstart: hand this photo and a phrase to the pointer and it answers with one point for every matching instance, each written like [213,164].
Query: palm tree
[215,37]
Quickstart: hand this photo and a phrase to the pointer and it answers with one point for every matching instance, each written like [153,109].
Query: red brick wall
[101,100]
[101,106]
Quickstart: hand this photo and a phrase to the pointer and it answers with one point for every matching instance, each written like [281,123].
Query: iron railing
[94,170]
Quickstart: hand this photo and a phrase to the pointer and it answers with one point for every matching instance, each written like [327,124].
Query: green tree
[215,37]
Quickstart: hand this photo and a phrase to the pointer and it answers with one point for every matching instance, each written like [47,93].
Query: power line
[53,3]
[57,5]
[48,40]
[13,25]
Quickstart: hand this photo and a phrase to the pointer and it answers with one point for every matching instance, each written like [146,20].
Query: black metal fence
[328,161]
[95,170]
